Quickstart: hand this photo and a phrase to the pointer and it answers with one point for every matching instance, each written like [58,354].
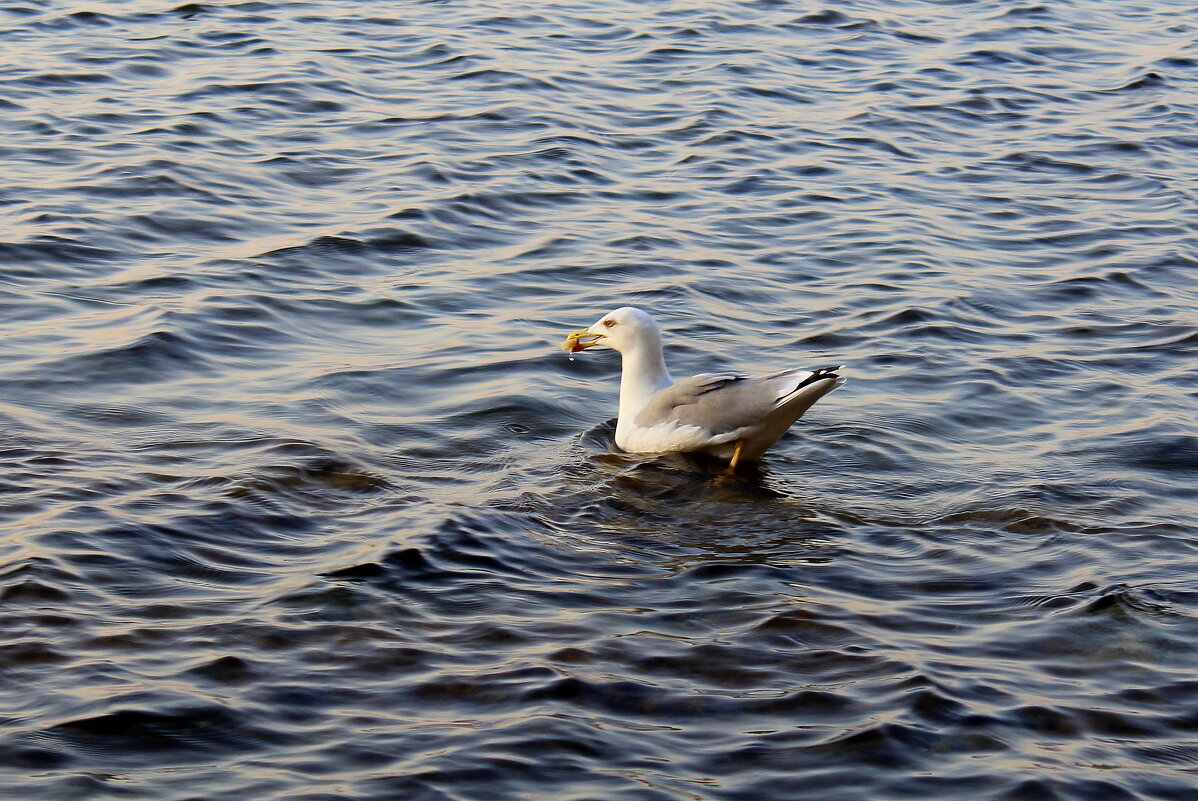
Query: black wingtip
[819,374]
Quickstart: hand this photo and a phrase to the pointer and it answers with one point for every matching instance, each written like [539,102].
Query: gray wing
[725,402]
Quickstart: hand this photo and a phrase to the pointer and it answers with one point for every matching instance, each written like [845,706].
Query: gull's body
[729,415]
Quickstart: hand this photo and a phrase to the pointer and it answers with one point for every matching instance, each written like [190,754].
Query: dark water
[300,502]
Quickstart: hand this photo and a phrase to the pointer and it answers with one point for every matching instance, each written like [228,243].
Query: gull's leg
[740,446]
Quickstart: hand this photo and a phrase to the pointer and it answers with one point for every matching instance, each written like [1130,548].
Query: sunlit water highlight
[300,502]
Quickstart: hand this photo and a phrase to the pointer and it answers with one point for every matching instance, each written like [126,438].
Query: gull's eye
[609,323]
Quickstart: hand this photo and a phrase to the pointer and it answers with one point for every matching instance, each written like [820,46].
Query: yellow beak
[581,340]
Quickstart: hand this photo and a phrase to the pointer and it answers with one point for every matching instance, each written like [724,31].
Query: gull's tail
[809,388]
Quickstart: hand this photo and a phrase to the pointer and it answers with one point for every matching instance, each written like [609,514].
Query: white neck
[644,372]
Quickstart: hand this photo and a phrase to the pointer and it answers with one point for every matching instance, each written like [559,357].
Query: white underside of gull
[667,437]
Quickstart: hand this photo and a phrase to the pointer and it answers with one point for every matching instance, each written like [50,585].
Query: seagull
[727,415]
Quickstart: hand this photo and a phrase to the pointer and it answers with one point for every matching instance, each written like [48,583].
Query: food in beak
[580,340]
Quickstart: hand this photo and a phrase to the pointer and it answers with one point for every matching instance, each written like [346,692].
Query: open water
[300,501]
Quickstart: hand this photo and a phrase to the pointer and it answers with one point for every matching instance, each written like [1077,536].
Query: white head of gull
[727,415]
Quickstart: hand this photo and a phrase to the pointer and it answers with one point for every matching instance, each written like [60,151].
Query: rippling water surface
[300,502]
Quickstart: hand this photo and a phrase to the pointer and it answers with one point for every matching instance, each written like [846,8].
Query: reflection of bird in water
[728,415]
